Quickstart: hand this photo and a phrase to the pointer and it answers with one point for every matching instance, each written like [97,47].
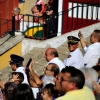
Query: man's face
[13,66]
[49,12]
[72,47]
[47,70]
[48,55]
[57,81]
[92,38]
[15,12]
[66,85]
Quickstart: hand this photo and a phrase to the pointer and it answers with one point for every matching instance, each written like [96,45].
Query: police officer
[75,58]
[50,23]
[17,65]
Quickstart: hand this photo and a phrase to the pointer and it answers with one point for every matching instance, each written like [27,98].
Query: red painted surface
[74,24]
[85,1]
[6,7]
[70,24]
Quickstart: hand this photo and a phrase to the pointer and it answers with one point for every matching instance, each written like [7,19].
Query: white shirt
[22,70]
[75,59]
[57,61]
[92,55]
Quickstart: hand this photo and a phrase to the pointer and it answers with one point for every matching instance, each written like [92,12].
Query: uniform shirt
[22,70]
[57,61]
[92,55]
[80,94]
[75,59]
[50,26]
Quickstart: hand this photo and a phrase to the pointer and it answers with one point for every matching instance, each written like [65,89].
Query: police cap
[16,59]
[49,8]
[73,39]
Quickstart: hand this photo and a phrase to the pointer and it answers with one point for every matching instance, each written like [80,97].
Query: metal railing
[78,15]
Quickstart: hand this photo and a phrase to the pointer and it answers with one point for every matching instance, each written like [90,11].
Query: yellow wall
[5,58]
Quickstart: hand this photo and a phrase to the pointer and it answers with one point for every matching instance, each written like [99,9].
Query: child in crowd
[48,92]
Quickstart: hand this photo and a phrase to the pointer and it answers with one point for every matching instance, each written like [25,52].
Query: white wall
[29,44]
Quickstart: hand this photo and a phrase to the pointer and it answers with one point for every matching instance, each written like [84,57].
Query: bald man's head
[51,53]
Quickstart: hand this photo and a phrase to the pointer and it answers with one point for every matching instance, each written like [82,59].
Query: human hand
[31,64]
[15,77]
[96,86]
[2,84]
[80,35]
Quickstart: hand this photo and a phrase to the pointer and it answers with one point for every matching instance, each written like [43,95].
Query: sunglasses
[11,63]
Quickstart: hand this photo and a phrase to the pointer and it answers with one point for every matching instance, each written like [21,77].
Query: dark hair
[54,68]
[97,34]
[39,7]
[55,53]
[8,90]
[20,76]
[19,65]
[23,92]
[50,90]
[76,76]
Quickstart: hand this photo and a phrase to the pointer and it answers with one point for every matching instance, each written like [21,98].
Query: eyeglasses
[64,80]
[11,63]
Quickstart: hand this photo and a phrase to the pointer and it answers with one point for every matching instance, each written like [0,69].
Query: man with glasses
[75,58]
[72,84]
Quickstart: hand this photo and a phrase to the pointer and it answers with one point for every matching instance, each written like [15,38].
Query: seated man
[50,72]
[75,58]
[72,84]
[51,55]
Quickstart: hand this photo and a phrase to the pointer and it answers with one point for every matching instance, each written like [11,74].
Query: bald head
[51,53]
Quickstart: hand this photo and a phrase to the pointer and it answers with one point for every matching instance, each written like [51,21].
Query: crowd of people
[45,15]
[77,77]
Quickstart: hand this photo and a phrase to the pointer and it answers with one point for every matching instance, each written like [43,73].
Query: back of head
[23,92]
[76,76]
[97,34]
[90,76]
[8,90]
[54,52]
[50,90]
[39,7]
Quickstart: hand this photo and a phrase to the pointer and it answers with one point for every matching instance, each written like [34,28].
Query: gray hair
[17,9]
[90,76]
